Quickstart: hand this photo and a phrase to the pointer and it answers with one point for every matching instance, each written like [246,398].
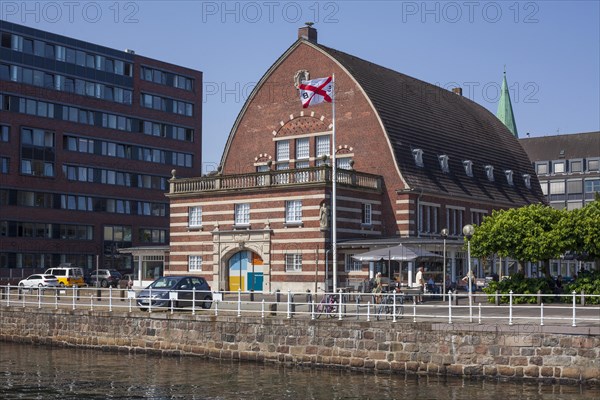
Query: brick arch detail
[302,124]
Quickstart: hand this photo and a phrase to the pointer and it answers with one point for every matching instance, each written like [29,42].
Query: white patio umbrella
[395,253]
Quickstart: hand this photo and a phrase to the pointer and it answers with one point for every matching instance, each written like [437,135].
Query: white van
[67,275]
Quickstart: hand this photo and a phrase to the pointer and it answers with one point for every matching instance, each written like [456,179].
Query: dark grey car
[182,290]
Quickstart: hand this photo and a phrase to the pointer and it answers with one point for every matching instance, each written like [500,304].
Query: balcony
[274,179]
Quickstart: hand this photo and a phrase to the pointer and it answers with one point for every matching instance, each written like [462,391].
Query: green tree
[580,230]
[525,234]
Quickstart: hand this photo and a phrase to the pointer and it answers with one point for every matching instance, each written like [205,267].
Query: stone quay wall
[526,352]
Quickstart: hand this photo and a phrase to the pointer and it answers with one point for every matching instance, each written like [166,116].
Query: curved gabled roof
[419,115]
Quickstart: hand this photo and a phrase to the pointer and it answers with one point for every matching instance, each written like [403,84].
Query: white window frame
[302,148]
[444,163]
[418,156]
[509,177]
[468,164]
[527,180]
[351,264]
[558,167]
[489,172]
[367,214]
[242,214]
[194,263]
[293,262]
[321,143]
[195,217]
[293,211]
[283,150]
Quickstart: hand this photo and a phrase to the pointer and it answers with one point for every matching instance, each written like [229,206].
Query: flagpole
[334,188]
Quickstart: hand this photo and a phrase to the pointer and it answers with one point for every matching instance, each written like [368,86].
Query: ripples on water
[37,372]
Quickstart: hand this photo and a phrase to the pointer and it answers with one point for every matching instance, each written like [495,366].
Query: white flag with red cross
[316,91]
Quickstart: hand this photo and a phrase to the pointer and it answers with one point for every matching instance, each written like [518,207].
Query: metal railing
[451,308]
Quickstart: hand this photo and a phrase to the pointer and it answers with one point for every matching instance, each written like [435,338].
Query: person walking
[420,283]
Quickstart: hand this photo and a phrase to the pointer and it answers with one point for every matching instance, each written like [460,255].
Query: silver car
[39,281]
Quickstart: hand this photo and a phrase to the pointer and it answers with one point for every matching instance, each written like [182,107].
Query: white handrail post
[510,303]
[216,308]
[239,303]
[289,311]
[91,301]
[110,298]
[542,314]
[479,313]
[262,309]
[194,300]
[8,295]
[150,300]
[130,304]
[39,297]
[56,299]
[312,310]
[340,306]
[368,310]
[394,306]
[450,306]
[73,294]
[574,307]
[414,312]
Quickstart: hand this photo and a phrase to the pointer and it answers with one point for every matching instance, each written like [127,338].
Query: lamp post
[445,236]
[468,231]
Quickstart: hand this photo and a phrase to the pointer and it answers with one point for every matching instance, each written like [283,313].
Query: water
[39,372]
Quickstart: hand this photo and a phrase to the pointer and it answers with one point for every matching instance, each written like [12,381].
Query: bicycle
[328,305]
[386,307]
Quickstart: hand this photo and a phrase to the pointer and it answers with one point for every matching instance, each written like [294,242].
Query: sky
[550,49]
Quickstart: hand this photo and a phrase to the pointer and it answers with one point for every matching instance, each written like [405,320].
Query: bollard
[76,289]
[497,300]
[122,294]
[539,297]
[277,295]
[273,309]
[582,297]
[99,294]
[251,294]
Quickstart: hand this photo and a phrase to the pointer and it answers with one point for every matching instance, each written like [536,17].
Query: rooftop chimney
[308,32]
[457,90]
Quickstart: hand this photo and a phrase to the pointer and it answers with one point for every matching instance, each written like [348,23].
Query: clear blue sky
[551,49]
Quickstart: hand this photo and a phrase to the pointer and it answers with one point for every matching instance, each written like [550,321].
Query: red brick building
[412,159]
[88,138]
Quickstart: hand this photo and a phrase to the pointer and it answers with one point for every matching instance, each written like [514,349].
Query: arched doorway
[245,271]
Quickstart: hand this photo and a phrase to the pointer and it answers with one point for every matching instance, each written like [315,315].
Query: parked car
[105,278]
[39,281]
[186,287]
[67,275]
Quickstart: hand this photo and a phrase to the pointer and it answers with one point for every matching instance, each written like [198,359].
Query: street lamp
[445,236]
[468,231]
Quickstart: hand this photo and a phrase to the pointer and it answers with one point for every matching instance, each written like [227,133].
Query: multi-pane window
[343,163]
[428,218]
[293,262]
[37,152]
[195,216]
[366,214]
[541,168]
[476,218]
[117,233]
[194,263]
[293,211]
[351,264]
[302,149]
[242,214]
[592,185]
[153,235]
[454,220]
[323,145]
[557,190]
[593,165]
[283,150]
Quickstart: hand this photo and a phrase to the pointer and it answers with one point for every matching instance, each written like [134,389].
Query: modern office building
[568,167]
[411,158]
[88,138]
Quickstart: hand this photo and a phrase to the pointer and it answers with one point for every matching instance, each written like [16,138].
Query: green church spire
[505,111]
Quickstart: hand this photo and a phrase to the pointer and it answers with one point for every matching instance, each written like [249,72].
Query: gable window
[366,214]
[195,217]
[242,214]
[352,265]
[293,262]
[302,149]
[509,176]
[468,164]
[418,156]
[293,211]
[194,263]
[527,180]
[444,163]
[323,145]
[489,171]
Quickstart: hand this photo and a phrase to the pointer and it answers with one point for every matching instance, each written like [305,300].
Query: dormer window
[468,164]
[444,163]
[418,155]
[489,171]
[509,176]
[527,180]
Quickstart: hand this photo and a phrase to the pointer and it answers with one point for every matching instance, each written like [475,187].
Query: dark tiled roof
[417,114]
[575,145]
